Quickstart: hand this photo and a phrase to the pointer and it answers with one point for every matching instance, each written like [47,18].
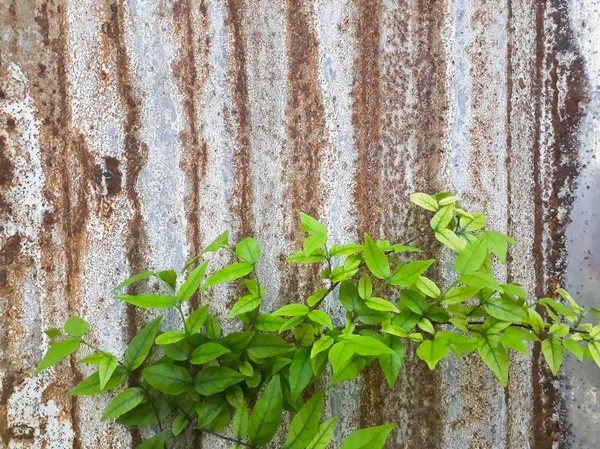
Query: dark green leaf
[214,379]
[123,402]
[266,414]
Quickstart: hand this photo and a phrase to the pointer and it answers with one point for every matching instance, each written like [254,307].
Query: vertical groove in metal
[133,132]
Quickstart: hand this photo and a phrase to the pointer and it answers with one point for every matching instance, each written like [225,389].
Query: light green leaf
[207,353]
[245,304]
[324,434]
[365,286]
[432,351]
[196,320]
[494,355]
[376,259]
[306,423]
[75,326]
[106,368]
[425,201]
[369,438]
[179,424]
[505,310]
[149,301]
[318,316]
[140,346]
[300,373]
[471,258]
[248,250]
[229,273]
[409,273]
[292,310]
[214,379]
[265,345]
[266,414]
[167,378]
[167,338]
[381,305]
[134,278]
[123,402]
[442,218]
[392,363]
[553,353]
[56,352]
[192,283]
[156,442]
[240,422]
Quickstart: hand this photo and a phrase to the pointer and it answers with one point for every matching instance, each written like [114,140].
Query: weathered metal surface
[133,132]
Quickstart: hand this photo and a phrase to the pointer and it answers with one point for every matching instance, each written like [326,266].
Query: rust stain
[243,192]
[191,82]
[554,199]
[306,139]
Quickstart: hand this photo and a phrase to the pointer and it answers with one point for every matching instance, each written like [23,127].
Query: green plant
[199,378]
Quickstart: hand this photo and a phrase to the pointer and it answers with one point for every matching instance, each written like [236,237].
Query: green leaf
[244,305]
[229,273]
[318,316]
[292,310]
[456,295]
[349,297]
[482,280]
[179,424]
[196,320]
[369,438]
[414,301]
[266,414]
[56,352]
[123,402]
[409,273]
[167,378]
[392,363]
[381,305]
[207,353]
[240,422]
[324,434]
[106,369]
[156,442]
[365,286]
[248,250]
[505,310]
[473,223]
[366,346]
[471,258]
[214,379]
[149,301]
[167,338]
[553,353]
[442,218]
[91,384]
[376,259]
[432,351]
[75,326]
[265,345]
[425,201]
[134,278]
[192,283]
[494,355]
[312,226]
[300,373]
[449,239]
[345,250]
[140,346]
[306,423]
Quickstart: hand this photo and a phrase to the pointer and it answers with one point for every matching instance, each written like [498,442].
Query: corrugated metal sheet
[132,132]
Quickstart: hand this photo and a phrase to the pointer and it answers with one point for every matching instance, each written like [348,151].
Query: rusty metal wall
[134,131]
